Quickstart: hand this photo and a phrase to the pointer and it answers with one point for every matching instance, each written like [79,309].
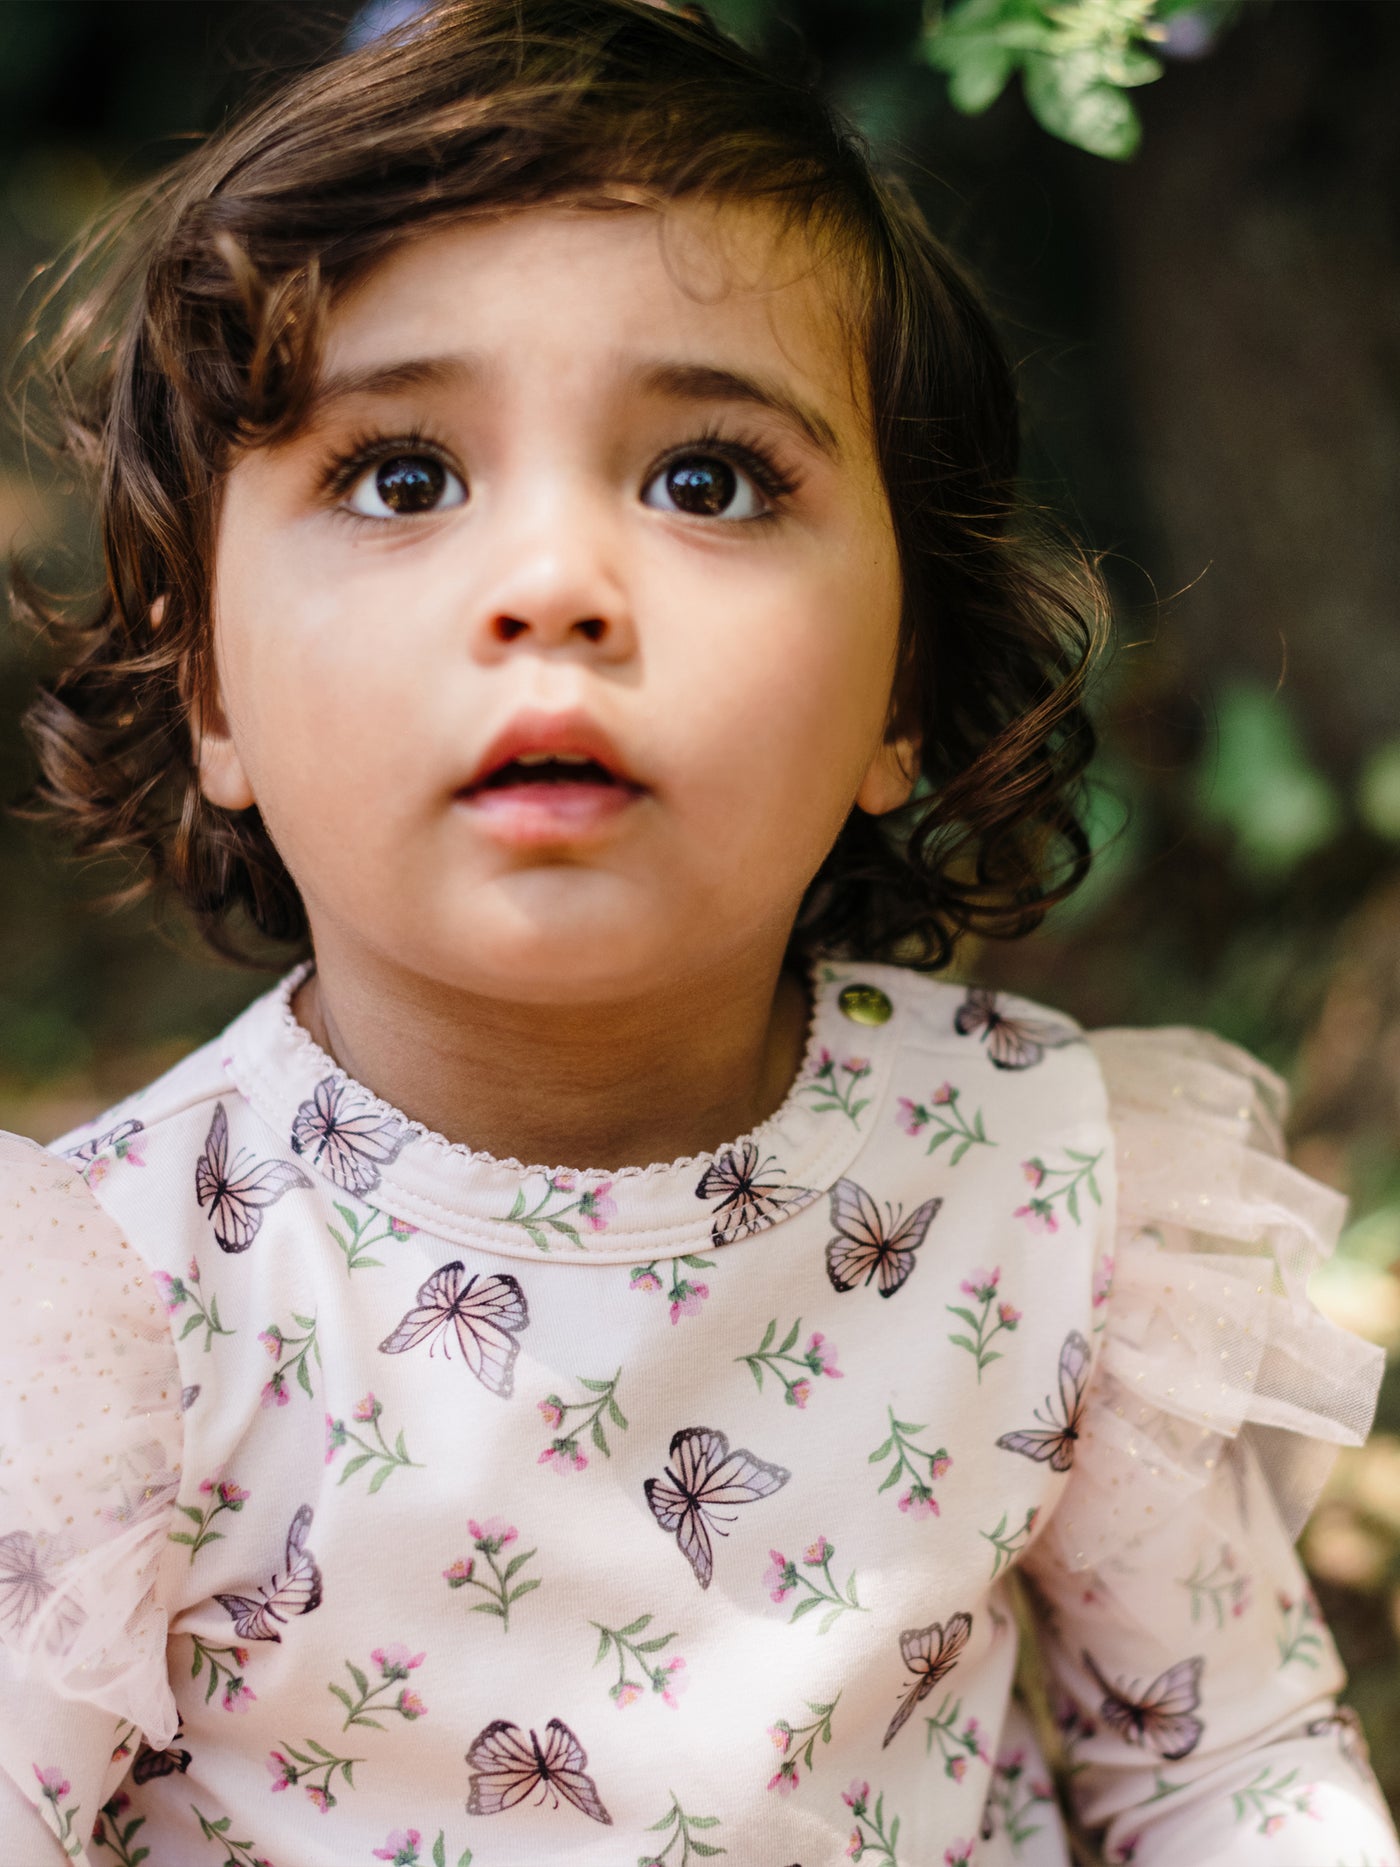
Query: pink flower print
[817,1553]
[644,1279]
[1126,1851]
[237,1696]
[1009,1315]
[1271,1824]
[562,1182]
[552,1411]
[400,1848]
[780,1577]
[821,1357]
[401,1228]
[1034,1171]
[943,1095]
[410,1705]
[271,1339]
[367,1410]
[982,1284]
[232,1496]
[786,1780]
[335,1437]
[193,1272]
[909,1116]
[956,1767]
[780,1735]
[280,1770]
[919,1501]
[688,1299]
[321,1798]
[939,1465]
[855,1847]
[1039,1216]
[562,1457]
[598,1206]
[799,1393]
[672,1681]
[495,1531]
[1103,1282]
[626,1694]
[856,1066]
[460,1572]
[396,1662]
[857,1795]
[170,1290]
[274,1393]
[97,1170]
[959,1855]
[52,1782]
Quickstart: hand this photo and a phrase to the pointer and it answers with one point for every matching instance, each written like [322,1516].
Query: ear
[890,777]
[222,777]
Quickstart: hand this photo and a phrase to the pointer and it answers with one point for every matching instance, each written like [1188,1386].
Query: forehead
[589,292]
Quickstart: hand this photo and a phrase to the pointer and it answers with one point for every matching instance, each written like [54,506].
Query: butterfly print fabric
[533,1513]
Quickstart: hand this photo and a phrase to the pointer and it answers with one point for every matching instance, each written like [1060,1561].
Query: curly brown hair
[200,336]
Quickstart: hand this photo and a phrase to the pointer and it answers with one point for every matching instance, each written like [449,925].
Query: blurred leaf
[1378,793]
[1263,787]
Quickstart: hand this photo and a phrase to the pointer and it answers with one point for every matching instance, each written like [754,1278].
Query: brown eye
[404,486]
[704,486]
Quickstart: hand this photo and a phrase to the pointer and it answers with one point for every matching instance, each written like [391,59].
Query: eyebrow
[672,380]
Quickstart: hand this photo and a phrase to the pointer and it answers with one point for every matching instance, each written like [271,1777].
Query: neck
[646,1078]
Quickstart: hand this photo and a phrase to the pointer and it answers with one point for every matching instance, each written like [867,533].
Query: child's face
[527,522]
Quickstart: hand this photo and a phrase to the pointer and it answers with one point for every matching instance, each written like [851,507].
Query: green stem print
[956,1748]
[1013,1800]
[948,1122]
[236,1853]
[385,1459]
[1299,1643]
[682,1827]
[563,1454]
[799,1742]
[53,1787]
[686,1296]
[360,1236]
[1272,1800]
[831,1087]
[1050,1185]
[817,1359]
[293,1355]
[624,1644]
[387,1696]
[783,1578]
[595,1206]
[400,1849]
[223,1494]
[501,1590]
[1008,1544]
[215,1661]
[981,1286]
[314,1768]
[870,1840]
[922,1469]
[1218,1589]
[177,1293]
[117,1836]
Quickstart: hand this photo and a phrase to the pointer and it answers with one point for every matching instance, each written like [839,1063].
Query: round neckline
[342,1132]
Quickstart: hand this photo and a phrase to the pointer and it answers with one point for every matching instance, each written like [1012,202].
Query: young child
[564,572]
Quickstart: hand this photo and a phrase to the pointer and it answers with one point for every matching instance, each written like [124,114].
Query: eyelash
[751,455]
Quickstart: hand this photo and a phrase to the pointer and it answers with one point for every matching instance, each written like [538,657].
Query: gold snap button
[865,1004]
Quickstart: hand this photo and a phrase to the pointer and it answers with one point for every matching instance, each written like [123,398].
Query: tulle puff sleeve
[90,1443]
[1194,1679]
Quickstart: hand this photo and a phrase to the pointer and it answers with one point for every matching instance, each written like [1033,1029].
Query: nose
[556,582]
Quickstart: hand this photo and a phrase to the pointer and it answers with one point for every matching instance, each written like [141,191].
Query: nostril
[508,627]
[591,628]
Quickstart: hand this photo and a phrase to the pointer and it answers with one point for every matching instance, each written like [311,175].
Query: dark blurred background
[1209,339]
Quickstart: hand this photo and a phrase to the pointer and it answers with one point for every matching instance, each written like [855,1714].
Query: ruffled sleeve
[90,1444]
[1194,1679]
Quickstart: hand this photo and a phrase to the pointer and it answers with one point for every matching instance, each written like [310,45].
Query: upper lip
[556,733]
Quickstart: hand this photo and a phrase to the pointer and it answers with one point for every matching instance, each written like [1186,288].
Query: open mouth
[547,768]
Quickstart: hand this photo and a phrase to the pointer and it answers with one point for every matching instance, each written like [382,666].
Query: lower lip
[534,815]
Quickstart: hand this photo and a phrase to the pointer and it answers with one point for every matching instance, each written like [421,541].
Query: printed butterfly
[703,1476]
[929,1653]
[150,1763]
[118,1139]
[236,1199]
[864,1248]
[505,1769]
[1012,1043]
[1161,1719]
[296,1592]
[350,1148]
[1053,1442]
[747,1202]
[28,1579]
[484,1314]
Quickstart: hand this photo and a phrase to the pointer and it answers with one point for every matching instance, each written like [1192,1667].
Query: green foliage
[1263,786]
